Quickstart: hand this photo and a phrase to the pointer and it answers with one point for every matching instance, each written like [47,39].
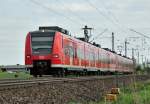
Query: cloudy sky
[18,17]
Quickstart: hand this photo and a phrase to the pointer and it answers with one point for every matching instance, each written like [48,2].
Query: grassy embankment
[14,75]
[134,94]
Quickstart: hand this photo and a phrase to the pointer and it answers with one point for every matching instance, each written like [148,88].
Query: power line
[54,11]
[114,18]
[105,16]
[97,37]
[70,11]
[110,13]
[100,12]
[140,33]
[143,49]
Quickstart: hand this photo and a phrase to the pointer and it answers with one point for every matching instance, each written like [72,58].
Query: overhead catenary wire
[71,12]
[105,16]
[111,14]
[143,35]
[140,33]
[99,11]
[93,6]
[55,12]
[97,37]
[114,17]
[108,11]
[116,22]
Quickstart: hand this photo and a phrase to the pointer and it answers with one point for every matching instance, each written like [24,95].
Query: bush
[138,68]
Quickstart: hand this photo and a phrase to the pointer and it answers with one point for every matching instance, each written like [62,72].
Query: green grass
[137,93]
[14,75]
[134,94]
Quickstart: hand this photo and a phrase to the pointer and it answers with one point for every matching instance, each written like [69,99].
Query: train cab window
[42,42]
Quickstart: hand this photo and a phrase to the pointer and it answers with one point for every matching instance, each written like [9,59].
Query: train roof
[54,28]
[51,29]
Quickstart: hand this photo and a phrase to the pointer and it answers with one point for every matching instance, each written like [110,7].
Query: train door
[81,55]
[117,63]
[93,57]
[99,59]
[67,52]
[75,57]
[87,56]
[108,61]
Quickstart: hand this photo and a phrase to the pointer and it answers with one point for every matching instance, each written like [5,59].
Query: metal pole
[86,28]
[142,58]
[126,47]
[133,53]
[134,61]
[113,42]
[138,58]
[145,62]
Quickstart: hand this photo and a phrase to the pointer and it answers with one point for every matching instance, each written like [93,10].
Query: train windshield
[42,42]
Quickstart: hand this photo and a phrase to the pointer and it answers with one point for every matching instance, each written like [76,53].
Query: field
[137,93]
[134,94]
[15,75]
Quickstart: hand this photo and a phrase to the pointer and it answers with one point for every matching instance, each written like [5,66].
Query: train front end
[42,49]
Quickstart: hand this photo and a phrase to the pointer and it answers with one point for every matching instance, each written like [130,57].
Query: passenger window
[71,51]
[66,51]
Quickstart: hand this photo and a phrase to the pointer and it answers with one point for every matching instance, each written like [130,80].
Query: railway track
[18,83]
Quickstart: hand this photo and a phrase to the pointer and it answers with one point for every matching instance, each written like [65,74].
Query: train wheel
[35,72]
[66,72]
[98,72]
[55,73]
[62,73]
[31,71]
[85,72]
[40,72]
[59,73]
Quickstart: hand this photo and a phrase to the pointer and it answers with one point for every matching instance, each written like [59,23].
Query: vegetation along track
[17,83]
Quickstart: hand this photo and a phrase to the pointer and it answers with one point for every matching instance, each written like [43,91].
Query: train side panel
[28,55]
[57,54]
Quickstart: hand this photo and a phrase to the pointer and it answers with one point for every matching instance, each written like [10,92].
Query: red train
[51,50]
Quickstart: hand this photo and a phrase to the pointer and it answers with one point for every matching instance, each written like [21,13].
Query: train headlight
[28,56]
[55,56]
